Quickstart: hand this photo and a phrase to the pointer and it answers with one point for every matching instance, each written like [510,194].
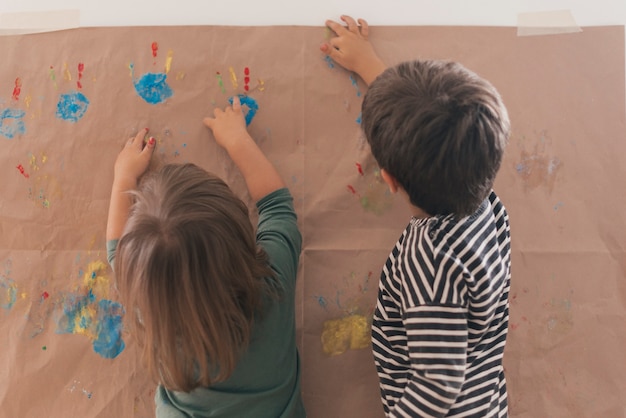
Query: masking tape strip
[546,23]
[34,22]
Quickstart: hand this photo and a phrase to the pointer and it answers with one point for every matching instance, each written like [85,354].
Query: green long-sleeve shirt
[266,380]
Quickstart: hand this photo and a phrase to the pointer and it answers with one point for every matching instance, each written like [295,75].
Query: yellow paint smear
[349,333]
[66,73]
[233,77]
[85,319]
[95,279]
[168,61]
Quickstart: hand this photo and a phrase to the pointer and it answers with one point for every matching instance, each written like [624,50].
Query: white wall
[296,12]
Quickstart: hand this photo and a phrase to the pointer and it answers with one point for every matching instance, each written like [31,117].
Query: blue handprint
[153,87]
[248,102]
[12,119]
[12,123]
[72,105]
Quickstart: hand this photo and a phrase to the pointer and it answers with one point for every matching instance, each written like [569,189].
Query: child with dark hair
[211,301]
[438,132]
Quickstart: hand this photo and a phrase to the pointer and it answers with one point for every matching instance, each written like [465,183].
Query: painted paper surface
[69,100]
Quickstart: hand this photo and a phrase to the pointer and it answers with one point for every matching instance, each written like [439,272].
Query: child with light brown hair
[210,300]
[438,132]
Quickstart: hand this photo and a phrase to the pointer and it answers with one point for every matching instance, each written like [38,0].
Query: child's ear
[389,180]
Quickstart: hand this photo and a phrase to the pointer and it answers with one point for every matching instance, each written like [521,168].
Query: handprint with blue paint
[249,106]
[152,86]
[72,105]
[11,118]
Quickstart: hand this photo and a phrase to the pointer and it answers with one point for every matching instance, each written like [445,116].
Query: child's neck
[419,213]
[416,211]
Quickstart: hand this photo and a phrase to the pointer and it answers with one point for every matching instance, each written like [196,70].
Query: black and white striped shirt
[441,319]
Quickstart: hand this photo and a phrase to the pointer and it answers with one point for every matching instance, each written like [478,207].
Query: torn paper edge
[546,23]
[20,23]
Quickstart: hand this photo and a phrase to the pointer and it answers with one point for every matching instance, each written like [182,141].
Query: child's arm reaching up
[352,50]
[229,129]
[130,164]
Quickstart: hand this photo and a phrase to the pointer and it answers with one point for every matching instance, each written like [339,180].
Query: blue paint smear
[109,343]
[358,119]
[153,87]
[8,288]
[72,106]
[72,308]
[321,301]
[329,61]
[12,123]
[355,84]
[250,103]
[108,323]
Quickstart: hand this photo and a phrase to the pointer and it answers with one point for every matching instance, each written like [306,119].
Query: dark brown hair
[190,273]
[440,130]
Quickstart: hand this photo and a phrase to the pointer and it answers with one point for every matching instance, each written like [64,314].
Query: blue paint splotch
[100,320]
[89,311]
[153,88]
[77,314]
[355,84]
[109,342]
[72,106]
[12,123]
[322,302]
[8,292]
[8,288]
[249,103]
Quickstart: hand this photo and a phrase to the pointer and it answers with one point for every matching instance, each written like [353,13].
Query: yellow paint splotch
[349,333]
[96,281]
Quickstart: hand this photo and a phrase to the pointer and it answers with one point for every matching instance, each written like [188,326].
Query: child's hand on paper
[352,50]
[228,125]
[133,160]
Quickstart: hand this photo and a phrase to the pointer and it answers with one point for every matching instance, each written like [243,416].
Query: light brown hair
[440,130]
[191,276]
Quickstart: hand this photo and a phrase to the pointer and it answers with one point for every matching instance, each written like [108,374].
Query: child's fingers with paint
[134,159]
[351,48]
[228,125]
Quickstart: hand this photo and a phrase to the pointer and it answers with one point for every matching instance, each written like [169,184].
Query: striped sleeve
[437,338]
[440,324]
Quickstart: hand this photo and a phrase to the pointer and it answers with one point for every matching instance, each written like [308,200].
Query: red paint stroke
[246,79]
[352,189]
[45,295]
[17,89]
[155,48]
[81,68]
[359,168]
[20,167]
